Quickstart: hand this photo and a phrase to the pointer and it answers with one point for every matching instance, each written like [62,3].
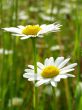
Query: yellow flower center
[31,30]
[50,72]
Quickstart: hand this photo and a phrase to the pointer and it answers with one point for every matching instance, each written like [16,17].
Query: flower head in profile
[28,31]
[50,72]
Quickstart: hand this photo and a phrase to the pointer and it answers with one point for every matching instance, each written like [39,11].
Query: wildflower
[15,101]
[23,16]
[65,11]
[33,9]
[54,11]
[46,17]
[51,72]
[28,31]
[56,47]
[6,52]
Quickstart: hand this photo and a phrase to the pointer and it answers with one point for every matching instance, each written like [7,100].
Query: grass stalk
[54,99]
[35,100]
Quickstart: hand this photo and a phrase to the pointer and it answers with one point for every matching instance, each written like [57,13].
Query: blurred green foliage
[16,93]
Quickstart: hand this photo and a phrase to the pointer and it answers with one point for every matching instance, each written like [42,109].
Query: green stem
[68,95]
[1,74]
[35,54]
[35,101]
[54,99]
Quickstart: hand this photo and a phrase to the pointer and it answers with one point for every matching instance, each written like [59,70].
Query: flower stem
[54,99]
[35,54]
[35,100]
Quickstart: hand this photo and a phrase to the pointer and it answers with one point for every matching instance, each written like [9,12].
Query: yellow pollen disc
[50,72]
[31,30]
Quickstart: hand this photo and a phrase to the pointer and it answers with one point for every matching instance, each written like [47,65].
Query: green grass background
[68,94]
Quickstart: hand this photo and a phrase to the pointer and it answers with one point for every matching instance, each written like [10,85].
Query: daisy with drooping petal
[28,31]
[50,72]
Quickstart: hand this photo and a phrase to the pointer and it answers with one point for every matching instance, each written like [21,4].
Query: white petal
[21,27]
[32,69]
[25,37]
[54,84]
[66,71]
[31,66]
[51,27]
[64,62]
[57,78]
[33,79]
[13,29]
[49,61]
[43,26]
[39,83]
[69,66]
[21,35]
[70,75]
[66,75]
[17,34]
[34,76]
[40,65]
[46,62]
[42,82]
[58,60]
[63,76]
[29,70]
[29,75]
[39,71]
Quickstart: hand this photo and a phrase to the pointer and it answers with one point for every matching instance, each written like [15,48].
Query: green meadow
[17,92]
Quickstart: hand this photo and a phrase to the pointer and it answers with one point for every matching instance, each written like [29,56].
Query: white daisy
[50,72]
[28,31]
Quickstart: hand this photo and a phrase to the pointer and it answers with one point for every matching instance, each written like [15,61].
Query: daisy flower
[15,101]
[28,31]
[50,72]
